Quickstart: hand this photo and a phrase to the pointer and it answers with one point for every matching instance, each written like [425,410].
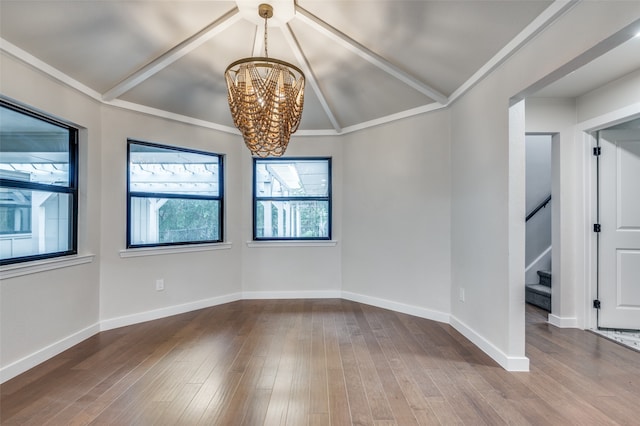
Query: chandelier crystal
[266,98]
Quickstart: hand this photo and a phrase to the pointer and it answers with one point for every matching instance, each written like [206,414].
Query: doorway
[538,241]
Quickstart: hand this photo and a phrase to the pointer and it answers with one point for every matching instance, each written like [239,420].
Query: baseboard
[397,306]
[563,322]
[168,311]
[313,294]
[20,366]
[509,363]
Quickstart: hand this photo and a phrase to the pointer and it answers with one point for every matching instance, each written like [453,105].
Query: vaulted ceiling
[366,61]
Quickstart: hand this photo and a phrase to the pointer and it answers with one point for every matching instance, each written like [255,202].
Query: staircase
[540,294]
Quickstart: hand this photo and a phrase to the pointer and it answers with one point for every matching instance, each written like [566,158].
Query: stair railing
[540,206]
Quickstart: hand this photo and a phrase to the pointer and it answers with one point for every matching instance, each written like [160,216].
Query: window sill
[26,268]
[156,251]
[288,243]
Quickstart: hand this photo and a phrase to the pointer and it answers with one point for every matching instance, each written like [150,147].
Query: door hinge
[596,304]
[597,227]
[597,151]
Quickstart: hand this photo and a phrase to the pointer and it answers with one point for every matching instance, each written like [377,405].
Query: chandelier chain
[266,49]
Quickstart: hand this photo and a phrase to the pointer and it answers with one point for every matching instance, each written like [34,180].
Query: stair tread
[539,288]
[544,274]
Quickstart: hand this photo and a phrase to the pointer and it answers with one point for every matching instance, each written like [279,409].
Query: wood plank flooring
[322,362]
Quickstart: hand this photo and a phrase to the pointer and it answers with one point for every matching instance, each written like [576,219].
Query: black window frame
[135,194]
[71,189]
[328,198]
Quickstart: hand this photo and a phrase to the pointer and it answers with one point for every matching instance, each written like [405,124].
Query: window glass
[38,192]
[292,199]
[33,150]
[292,178]
[177,220]
[175,196]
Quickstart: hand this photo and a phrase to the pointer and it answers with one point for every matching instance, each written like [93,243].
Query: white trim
[374,59]
[168,311]
[171,116]
[173,54]
[317,132]
[20,366]
[546,18]
[187,248]
[604,46]
[26,268]
[310,76]
[590,245]
[292,243]
[509,363]
[416,311]
[610,119]
[311,294]
[434,106]
[394,117]
[563,322]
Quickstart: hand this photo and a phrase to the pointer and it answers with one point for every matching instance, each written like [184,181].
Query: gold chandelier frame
[266,98]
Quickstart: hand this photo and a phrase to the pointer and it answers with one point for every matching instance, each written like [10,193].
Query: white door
[619,240]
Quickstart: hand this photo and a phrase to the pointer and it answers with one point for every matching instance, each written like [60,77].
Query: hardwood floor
[322,362]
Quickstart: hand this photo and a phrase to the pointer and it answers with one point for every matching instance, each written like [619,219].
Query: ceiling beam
[371,57]
[310,77]
[172,55]
[42,66]
[539,24]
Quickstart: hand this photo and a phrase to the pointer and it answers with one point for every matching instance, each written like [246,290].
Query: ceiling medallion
[266,98]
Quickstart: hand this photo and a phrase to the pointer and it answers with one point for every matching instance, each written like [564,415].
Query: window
[38,186]
[292,199]
[174,196]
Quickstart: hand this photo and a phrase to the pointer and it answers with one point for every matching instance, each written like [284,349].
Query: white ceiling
[365,61]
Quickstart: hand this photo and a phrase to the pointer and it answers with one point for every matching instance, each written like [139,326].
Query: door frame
[586,134]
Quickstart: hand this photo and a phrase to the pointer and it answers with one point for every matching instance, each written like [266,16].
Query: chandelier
[265,97]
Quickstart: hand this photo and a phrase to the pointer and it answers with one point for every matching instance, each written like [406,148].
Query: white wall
[613,96]
[128,284]
[479,220]
[483,255]
[39,310]
[298,270]
[397,207]
[538,169]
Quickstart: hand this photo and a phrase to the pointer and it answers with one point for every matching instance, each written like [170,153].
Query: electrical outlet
[461,296]
[159,284]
